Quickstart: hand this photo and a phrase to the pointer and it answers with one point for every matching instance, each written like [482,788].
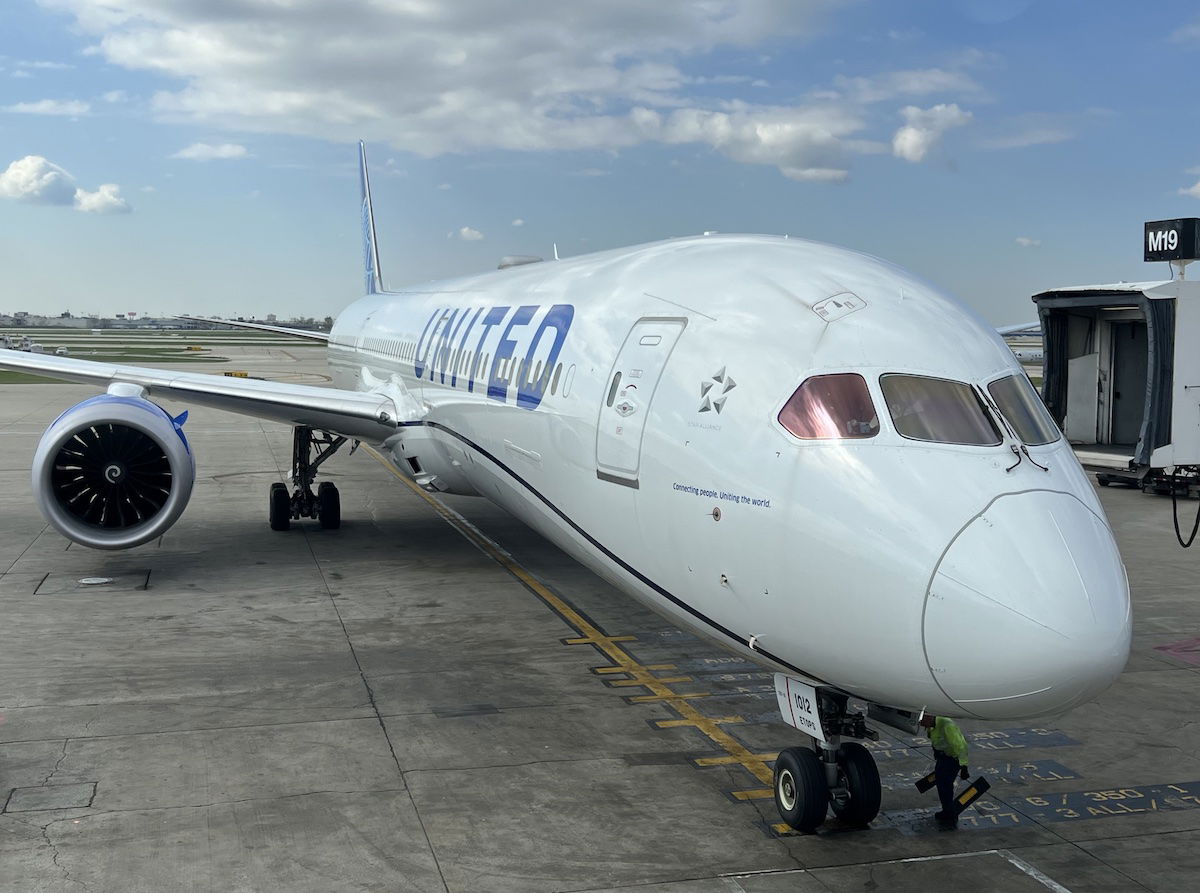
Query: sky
[199,156]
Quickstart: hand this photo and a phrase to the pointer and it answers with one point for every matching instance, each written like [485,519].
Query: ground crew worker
[950,753]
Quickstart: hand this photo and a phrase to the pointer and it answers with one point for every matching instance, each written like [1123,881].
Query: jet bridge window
[831,406]
[937,410]
[1024,410]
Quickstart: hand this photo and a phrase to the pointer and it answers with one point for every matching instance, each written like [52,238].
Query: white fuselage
[963,579]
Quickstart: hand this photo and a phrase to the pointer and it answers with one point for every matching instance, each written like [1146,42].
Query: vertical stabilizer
[373,277]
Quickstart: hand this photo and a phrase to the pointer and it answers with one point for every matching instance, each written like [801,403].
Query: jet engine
[114,471]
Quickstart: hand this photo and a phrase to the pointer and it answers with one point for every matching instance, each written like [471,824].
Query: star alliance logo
[715,391]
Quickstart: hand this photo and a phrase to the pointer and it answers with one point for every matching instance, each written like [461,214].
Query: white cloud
[40,181]
[518,222]
[1186,33]
[1033,136]
[468,234]
[1026,242]
[56,66]
[147,189]
[444,186]
[475,74]
[207,152]
[1035,129]
[1193,190]
[920,82]
[21,73]
[114,96]
[924,128]
[71,107]
[105,200]
[34,179]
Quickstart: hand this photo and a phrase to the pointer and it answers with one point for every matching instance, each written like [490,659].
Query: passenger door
[628,395]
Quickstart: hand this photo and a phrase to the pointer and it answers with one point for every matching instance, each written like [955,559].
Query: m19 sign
[1172,239]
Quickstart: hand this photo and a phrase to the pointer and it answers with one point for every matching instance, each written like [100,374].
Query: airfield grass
[7,377]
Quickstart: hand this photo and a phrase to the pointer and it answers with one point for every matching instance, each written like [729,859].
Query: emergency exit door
[628,393]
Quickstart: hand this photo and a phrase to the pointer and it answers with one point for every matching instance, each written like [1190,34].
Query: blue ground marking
[1027,772]
[1119,801]
[1011,739]
[721,664]
[984,746]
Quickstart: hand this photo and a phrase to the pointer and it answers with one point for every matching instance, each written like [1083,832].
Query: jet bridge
[1122,369]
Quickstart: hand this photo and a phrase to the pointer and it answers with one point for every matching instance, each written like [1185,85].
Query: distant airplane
[1023,353]
[1025,328]
[809,455]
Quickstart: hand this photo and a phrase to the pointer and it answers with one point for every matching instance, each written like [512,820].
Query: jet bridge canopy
[1111,366]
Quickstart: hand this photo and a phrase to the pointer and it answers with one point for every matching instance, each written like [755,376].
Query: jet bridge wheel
[858,801]
[801,791]
[329,506]
[280,507]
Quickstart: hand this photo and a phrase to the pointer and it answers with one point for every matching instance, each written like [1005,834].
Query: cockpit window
[937,410]
[831,406]
[1024,410]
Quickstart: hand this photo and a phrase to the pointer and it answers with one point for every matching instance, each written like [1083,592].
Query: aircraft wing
[367,415]
[1033,328]
[281,330]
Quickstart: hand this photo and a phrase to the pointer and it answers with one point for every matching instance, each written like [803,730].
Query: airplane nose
[1028,611]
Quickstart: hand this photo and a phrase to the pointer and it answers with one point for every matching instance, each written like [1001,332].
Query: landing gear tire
[281,507]
[329,506]
[860,776]
[801,791]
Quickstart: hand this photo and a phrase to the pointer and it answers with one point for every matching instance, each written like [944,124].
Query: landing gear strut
[325,505]
[839,774]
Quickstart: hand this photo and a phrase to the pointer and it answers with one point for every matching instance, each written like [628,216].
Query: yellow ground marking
[597,639]
[679,723]
[667,679]
[755,794]
[622,661]
[622,670]
[670,696]
[727,760]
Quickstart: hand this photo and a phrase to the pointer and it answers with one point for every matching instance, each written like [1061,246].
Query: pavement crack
[54,857]
[62,756]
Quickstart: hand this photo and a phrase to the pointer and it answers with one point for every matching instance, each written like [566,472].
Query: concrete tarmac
[433,698]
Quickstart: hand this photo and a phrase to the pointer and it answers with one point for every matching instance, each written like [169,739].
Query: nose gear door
[631,386]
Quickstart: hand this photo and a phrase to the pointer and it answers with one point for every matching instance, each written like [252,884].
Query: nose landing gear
[838,775]
[325,505]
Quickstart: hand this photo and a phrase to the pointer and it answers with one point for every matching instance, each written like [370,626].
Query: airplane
[806,454]
[1024,353]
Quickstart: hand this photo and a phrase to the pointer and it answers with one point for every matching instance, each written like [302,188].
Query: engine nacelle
[114,471]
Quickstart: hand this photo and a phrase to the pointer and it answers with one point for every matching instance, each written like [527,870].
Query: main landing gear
[839,775]
[326,504]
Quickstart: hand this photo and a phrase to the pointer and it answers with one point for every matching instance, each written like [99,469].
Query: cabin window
[1024,410]
[831,406]
[938,410]
[554,380]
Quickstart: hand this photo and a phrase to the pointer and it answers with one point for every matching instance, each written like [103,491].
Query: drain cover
[95,581]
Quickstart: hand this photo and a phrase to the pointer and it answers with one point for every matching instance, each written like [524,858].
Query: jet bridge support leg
[310,448]
[838,774]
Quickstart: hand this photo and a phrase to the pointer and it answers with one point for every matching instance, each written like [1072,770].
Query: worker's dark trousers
[945,768]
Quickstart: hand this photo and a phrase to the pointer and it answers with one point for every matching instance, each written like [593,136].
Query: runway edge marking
[638,674]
